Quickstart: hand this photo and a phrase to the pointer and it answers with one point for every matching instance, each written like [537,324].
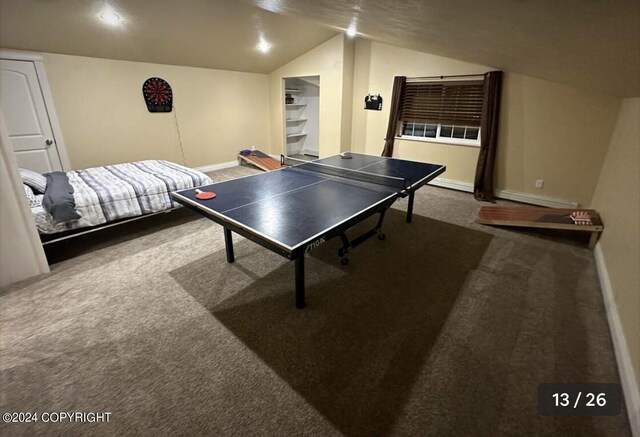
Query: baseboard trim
[309,152]
[507,194]
[214,167]
[452,185]
[534,199]
[627,376]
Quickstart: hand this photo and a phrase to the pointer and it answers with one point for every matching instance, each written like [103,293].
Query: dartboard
[157,95]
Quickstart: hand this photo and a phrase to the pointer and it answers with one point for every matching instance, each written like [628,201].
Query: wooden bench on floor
[260,160]
[584,220]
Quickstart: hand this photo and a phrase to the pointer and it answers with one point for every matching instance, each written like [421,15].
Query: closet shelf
[296,135]
[296,120]
[291,105]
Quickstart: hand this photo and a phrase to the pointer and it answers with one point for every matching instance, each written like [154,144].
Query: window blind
[446,102]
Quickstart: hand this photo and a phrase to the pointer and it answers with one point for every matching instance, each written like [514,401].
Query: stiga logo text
[313,245]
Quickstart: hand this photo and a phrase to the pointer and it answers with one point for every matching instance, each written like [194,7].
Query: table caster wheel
[344,260]
[381,236]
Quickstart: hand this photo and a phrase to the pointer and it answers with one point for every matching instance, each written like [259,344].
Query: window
[442,111]
[463,135]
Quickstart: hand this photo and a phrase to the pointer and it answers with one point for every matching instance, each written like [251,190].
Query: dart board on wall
[157,95]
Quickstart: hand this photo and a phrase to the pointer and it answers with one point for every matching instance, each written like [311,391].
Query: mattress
[114,192]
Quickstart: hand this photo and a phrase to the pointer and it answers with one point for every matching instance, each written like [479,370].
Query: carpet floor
[444,328]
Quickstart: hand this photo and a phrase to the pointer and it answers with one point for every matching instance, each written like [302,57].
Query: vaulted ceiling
[220,34]
[592,44]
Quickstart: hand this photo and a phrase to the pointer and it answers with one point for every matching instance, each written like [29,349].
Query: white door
[26,117]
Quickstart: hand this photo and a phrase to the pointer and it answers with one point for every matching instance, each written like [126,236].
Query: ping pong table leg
[228,244]
[410,207]
[300,282]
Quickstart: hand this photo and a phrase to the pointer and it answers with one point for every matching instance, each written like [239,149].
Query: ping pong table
[294,210]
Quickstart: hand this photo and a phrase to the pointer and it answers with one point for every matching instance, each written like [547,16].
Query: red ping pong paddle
[204,195]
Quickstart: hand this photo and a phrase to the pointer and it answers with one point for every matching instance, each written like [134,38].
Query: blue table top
[296,204]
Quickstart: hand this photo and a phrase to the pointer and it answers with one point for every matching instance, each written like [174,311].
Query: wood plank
[535,217]
[261,160]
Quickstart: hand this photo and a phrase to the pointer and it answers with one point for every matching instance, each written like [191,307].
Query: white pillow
[34,180]
[34,201]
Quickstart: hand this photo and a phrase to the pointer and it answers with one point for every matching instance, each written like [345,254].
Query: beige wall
[326,61]
[553,132]
[361,73]
[105,120]
[617,198]
[348,59]
[547,131]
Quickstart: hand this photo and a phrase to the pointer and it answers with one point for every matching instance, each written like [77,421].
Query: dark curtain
[483,185]
[398,87]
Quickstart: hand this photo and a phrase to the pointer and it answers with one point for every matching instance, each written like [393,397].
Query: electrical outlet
[539,183]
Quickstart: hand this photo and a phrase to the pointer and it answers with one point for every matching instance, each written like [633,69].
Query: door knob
[49,142]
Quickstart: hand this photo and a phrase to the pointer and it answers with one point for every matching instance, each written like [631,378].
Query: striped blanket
[114,192]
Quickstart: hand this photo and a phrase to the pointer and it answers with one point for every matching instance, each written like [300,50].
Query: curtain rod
[446,77]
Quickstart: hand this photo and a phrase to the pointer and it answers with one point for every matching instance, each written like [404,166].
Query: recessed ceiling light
[351,31]
[263,46]
[110,17]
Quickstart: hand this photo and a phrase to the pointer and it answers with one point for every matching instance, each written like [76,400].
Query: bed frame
[60,236]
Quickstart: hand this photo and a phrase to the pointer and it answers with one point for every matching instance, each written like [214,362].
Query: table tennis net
[358,175]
